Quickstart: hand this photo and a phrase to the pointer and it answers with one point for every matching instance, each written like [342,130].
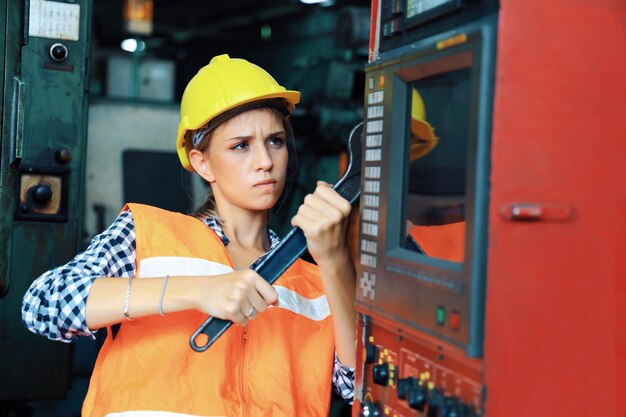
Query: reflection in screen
[435,223]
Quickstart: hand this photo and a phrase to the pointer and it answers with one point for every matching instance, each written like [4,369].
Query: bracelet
[127,299]
[162,294]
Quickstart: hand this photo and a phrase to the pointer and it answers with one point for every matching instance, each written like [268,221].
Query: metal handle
[16,148]
[26,27]
[535,212]
[16,142]
[294,244]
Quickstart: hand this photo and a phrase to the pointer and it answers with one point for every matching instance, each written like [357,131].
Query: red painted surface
[373,28]
[555,340]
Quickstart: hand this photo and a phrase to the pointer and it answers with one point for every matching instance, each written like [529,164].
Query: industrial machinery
[477,245]
[44,113]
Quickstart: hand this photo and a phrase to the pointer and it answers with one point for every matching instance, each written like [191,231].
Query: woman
[235,134]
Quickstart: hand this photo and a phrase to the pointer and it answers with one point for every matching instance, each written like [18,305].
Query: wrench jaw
[349,185]
[294,244]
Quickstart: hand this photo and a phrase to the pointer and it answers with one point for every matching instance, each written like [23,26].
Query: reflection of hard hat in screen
[423,138]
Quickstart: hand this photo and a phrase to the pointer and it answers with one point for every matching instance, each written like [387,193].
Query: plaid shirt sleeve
[343,380]
[54,305]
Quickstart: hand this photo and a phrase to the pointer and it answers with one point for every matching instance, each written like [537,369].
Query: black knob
[41,194]
[451,407]
[369,409]
[435,402]
[371,352]
[417,397]
[58,52]
[63,155]
[381,374]
[467,411]
[404,384]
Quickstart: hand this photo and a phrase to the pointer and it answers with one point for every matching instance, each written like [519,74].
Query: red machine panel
[543,302]
[555,318]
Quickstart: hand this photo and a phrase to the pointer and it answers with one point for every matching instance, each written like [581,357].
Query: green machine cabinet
[44,80]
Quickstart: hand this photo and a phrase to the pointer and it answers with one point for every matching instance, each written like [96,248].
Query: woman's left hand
[323,217]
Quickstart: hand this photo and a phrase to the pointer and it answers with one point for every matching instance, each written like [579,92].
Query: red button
[454,320]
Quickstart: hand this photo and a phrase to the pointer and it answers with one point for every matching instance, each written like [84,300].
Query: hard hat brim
[423,139]
[184,146]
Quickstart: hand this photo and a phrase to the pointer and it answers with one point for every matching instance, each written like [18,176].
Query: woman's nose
[263,158]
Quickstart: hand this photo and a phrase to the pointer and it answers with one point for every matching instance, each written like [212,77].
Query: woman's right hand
[233,296]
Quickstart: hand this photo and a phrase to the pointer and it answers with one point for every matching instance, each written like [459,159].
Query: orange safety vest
[280,364]
[446,241]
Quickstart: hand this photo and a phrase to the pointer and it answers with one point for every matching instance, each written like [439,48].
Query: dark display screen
[417,7]
[438,138]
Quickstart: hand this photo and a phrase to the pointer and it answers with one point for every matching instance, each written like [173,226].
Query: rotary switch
[41,194]
[381,374]
[417,397]
[371,353]
[452,407]
[404,385]
[435,402]
[369,409]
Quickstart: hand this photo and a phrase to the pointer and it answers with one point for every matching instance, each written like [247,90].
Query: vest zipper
[244,367]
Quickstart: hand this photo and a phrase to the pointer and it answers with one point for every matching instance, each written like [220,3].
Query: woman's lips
[265,183]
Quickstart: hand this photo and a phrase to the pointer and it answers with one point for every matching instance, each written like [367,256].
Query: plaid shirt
[54,305]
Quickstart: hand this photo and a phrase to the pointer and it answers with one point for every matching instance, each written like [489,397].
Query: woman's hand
[323,217]
[324,220]
[237,296]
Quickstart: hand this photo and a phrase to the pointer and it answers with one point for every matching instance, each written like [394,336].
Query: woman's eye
[276,141]
[240,146]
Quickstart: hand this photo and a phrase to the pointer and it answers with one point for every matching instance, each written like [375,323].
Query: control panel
[400,374]
[405,21]
[422,236]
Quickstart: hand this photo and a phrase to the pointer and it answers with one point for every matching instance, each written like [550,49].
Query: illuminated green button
[441,315]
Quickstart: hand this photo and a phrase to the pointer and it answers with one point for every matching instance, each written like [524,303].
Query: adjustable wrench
[294,244]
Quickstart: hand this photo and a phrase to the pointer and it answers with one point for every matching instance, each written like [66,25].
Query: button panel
[372,172]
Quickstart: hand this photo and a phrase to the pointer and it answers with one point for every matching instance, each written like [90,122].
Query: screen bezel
[465,281]
[462,58]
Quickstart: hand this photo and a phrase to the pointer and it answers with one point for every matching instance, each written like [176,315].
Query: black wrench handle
[293,246]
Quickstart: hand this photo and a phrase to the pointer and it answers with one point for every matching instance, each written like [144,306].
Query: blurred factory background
[123,115]
[523,317]
[318,49]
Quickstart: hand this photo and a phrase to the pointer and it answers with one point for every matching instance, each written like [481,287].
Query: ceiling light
[133,45]
[320,2]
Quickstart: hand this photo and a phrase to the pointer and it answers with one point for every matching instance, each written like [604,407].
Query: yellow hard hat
[224,84]
[423,138]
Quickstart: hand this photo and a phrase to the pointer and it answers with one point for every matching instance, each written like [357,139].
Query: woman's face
[247,160]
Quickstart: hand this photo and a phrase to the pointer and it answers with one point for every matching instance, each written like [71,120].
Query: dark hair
[209,209]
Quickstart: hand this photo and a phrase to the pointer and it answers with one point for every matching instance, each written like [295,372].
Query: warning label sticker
[54,20]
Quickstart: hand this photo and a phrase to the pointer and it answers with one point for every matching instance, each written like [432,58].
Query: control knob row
[419,396]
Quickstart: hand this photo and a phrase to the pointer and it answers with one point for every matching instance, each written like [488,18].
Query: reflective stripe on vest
[314,309]
[280,364]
